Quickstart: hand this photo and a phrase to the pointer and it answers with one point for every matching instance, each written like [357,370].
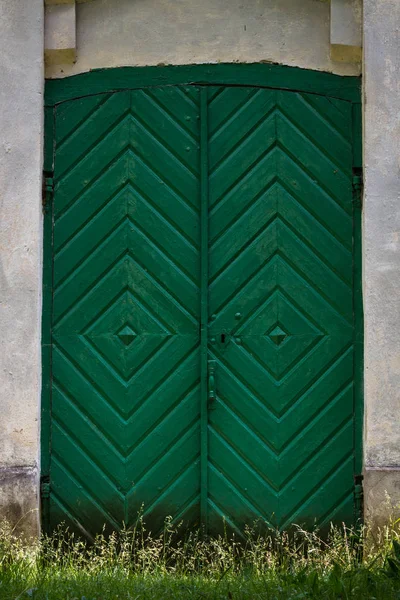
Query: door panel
[281,308]
[126,310]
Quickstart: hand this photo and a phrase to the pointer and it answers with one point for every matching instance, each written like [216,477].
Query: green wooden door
[197,226]
[125,365]
[281,444]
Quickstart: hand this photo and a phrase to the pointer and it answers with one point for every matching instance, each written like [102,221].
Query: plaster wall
[21,133]
[113,33]
[382,254]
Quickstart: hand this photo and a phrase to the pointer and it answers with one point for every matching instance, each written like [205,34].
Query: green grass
[134,565]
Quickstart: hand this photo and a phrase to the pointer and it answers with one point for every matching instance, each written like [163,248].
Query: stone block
[381,495]
[346,30]
[19,499]
[60,34]
[52,2]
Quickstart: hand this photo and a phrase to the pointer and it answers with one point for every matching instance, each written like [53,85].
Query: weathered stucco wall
[112,33]
[382,254]
[21,110]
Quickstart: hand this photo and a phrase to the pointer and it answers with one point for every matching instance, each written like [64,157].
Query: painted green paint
[125,360]
[281,433]
[204,260]
[257,74]
[198,225]
[357,296]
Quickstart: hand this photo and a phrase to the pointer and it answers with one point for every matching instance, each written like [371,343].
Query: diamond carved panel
[141,334]
[289,337]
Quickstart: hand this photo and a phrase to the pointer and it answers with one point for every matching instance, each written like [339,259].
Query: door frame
[262,75]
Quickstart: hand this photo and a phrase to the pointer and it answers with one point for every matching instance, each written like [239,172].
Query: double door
[202,349]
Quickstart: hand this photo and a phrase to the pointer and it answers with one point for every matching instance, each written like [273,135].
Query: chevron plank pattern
[125,400]
[125,332]
[281,288]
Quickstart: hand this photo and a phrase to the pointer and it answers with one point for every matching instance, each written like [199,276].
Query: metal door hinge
[357,187]
[358,497]
[45,487]
[48,189]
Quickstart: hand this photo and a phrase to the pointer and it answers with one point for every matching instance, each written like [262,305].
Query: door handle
[211,381]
